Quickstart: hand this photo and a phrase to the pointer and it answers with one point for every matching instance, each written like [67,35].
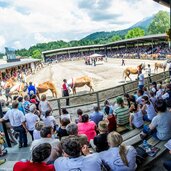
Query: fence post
[59,106]
[97,98]
[123,86]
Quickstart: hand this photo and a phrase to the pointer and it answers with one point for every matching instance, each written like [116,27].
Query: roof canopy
[163,2]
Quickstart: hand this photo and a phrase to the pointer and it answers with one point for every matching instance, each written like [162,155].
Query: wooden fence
[85,101]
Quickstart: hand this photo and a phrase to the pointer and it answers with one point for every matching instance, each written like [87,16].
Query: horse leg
[74,90]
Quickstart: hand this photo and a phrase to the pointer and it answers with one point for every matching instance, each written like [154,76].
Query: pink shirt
[88,129]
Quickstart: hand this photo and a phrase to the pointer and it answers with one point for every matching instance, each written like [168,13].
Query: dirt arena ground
[106,75]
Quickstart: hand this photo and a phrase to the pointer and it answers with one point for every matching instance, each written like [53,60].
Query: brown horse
[48,85]
[131,70]
[80,82]
[158,65]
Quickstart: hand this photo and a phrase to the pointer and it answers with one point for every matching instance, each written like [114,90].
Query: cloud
[27,22]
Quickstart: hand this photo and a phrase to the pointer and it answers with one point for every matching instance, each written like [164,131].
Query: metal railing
[98,97]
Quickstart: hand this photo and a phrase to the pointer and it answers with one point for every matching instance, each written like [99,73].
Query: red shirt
[64,87]
[29,166]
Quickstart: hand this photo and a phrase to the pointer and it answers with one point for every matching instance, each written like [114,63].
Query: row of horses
[20,87]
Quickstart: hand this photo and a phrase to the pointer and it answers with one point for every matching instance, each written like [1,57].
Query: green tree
[135,32]
[116,38]
[160,23]
[36,54]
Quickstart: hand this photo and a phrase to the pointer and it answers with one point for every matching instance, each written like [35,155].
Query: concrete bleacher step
[131,134]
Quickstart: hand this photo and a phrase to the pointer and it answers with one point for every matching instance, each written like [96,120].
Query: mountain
[144,24]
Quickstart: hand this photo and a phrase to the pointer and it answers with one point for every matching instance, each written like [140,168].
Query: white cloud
[27,22]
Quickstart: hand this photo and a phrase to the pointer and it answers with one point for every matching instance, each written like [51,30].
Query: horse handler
[65,91]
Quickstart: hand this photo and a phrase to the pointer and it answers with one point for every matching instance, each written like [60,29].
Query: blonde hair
[43,97]
[115,140]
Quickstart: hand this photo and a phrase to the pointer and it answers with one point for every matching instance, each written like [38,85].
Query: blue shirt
[96,117]
[90,162]
[31,88]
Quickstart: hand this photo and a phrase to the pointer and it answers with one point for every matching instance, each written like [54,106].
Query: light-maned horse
[161,65]
[80,82]
[48,85]
[132,70]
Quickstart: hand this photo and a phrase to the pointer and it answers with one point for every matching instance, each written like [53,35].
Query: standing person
[149,73]
[31,120]
[7,93]
[65,91]
[123,62]
[20,105]
[17,121]
[31,89]
[141,80]
[44,105]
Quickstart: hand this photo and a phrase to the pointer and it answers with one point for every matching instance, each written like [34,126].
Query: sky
[24,23]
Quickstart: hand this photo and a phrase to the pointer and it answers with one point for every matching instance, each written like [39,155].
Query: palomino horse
[131,70]
[48,85]
[158,65]
[80,82]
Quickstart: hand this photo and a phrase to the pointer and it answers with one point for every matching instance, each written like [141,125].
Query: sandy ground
[106,75]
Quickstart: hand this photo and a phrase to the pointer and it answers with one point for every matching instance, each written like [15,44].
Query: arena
[104,75]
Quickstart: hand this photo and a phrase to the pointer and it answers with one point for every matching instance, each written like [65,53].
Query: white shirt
[36,134]
[44,106]
[150,111]
[141,79]
[137,119]
[159,93]
[49,121]
[15,116]
[31,120]
[66,116]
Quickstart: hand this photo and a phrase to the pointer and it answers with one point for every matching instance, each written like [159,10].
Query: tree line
[160,24]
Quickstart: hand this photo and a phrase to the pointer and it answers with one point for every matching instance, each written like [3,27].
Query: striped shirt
[122,115]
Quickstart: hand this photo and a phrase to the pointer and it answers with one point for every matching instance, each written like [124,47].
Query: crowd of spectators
[91,141]
[120,52]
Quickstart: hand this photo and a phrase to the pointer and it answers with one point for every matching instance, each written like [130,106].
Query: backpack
[141,156]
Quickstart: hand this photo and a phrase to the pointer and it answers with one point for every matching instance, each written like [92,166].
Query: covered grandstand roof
[163,2]
[14,64]
[143,39]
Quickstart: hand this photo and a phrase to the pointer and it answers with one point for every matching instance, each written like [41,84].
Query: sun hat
[103,126]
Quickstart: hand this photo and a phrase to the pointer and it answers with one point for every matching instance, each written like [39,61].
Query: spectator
[140,80]
[121,112]
[167,95]
[140,94]
[44,105]
[31,89]
[20,105]
[49,120]
[79,113]
[136,117]
[46,137]
[100,141]
[160,126]
[159,92]
[73,160]
[31,120]
[36,133]
[148,109]
[26,104]
[130,99]
[39,155]
[153,98]
[96,116]
[61,131]
[72,131]
[65,114]
[87,127]
[119,157]
[17,121]
[107,108]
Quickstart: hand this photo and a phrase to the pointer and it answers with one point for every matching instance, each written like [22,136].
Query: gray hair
[72,129]
[32,108]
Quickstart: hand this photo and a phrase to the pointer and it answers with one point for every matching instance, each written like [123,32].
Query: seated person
[118,156]
[96,116]
[79,113]
[160,126]
[61,131]
[136,117]
[73,160]
[39,155]
[87,127]
[100,141]
[121,112]
[46,137]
